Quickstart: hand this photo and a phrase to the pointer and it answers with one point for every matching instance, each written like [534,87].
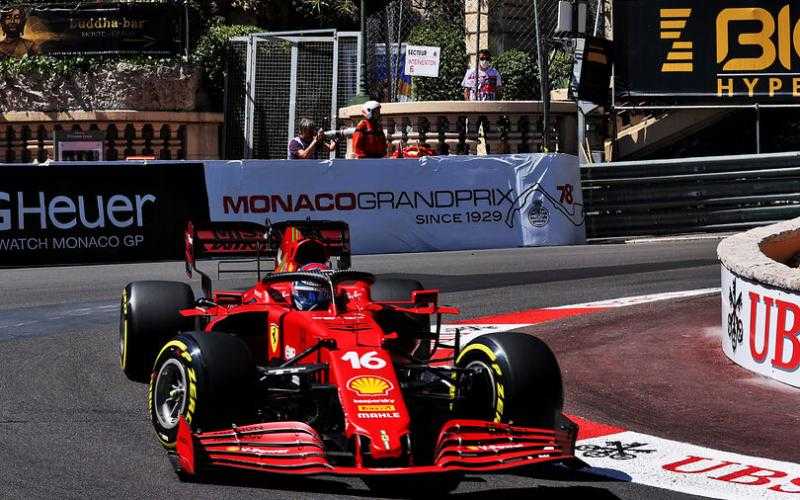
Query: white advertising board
[422,60]
[761,328]
[427,204]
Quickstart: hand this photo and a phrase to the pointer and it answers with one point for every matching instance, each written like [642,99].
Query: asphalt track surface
[72,426]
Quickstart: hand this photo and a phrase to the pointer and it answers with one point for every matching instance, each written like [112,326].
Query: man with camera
[308,142]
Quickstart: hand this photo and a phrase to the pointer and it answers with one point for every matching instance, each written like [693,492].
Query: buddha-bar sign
[709,51]
[92,29]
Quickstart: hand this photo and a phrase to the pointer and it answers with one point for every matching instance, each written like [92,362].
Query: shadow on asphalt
[320,485]
[299,484]
[540,493]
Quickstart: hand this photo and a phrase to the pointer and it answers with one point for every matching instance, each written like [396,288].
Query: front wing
[296,448]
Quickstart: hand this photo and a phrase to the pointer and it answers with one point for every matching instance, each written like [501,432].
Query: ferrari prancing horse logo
[274,337]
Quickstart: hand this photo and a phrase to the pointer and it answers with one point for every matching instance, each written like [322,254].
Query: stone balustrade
[470,127]
[28,136]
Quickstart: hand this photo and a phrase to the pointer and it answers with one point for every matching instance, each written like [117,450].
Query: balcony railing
[469,127]
[28,136]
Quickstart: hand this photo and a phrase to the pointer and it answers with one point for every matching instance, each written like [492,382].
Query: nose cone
[371,399]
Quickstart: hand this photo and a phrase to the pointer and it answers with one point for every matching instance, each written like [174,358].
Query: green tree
[210,55]
[519,74]
[452,61]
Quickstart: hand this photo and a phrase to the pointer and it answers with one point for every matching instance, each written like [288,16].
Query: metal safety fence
[275,79]
[461,28]
[711,194]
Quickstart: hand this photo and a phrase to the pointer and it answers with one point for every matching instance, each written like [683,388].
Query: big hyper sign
[714,51]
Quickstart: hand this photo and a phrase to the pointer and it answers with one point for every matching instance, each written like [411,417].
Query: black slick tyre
[513,378]
[203,377]
[148,317]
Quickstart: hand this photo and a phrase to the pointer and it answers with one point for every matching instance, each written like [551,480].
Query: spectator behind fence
[369,141]
[307,143]
[489,80]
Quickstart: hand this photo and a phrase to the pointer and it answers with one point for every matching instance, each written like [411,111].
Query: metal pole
[542,79]
[292,91]
[225,96]
[599,10]
[758,129]
[334,88]
[362,68]
[585,157]
[388,44]
[186,31]
[249,97]
[477,46]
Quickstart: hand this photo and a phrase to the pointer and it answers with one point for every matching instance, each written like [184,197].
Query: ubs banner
[96,28]
[73,213]
[718,51]
[761,328]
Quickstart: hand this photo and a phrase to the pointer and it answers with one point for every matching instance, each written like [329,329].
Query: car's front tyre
[202,377]
[510,377]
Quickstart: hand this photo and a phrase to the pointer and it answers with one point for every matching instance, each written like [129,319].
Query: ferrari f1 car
[318,369]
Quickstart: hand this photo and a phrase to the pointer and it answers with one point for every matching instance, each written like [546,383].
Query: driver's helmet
[310,295]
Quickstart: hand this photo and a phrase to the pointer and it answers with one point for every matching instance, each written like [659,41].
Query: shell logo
[370,385]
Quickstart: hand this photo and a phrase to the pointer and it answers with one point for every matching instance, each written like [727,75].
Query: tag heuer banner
[90,29]
[717,51]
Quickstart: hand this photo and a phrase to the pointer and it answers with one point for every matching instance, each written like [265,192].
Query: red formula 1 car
[322,371]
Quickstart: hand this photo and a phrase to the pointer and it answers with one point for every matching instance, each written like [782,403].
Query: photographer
[307,143]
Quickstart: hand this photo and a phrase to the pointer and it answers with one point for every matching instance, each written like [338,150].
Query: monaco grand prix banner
[714,52]
[761,328]
[430,204]
[97,212]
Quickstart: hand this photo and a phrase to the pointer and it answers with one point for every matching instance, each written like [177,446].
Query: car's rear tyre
[424,486]
[408,326]
[148,317]
[203,377]
[515,379]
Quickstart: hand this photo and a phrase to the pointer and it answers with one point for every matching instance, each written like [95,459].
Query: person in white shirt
[489,80]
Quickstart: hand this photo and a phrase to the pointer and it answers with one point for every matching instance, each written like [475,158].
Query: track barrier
[708,194]
[66,213]
[761,300]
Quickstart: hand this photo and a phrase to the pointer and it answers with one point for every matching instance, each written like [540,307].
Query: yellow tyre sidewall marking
[498,380]
[123,359]
[191,380]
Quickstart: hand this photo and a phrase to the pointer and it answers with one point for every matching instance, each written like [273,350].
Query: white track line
[642,299]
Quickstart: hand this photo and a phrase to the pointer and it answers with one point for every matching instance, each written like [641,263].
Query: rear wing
[333,235]
[227,240]
[224,240]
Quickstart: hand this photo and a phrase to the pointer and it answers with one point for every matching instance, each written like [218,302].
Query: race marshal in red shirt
[369,141]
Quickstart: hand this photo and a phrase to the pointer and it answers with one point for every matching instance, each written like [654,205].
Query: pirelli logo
[376,408]
[680,55]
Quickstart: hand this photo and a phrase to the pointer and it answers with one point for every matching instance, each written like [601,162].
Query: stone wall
[117,86]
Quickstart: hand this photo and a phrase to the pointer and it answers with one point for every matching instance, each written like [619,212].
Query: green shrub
[560,70]
[210,55]
[519,74]
[66,66]
[452,61]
